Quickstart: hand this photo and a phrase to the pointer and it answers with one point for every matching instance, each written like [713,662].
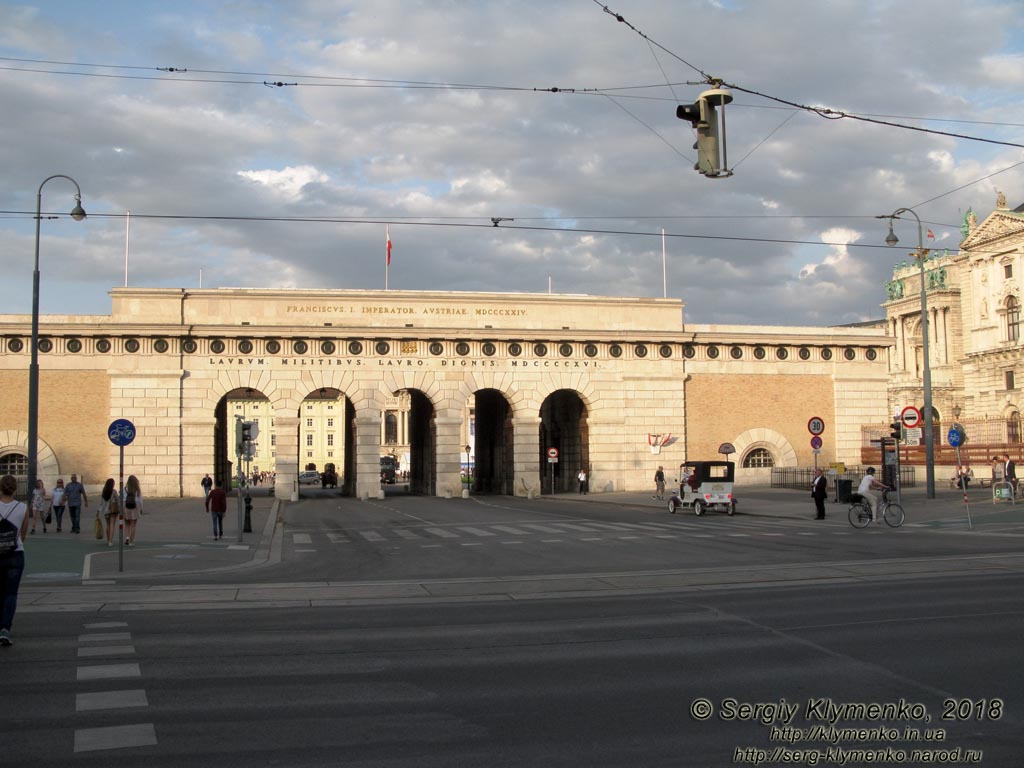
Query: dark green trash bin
[844,490]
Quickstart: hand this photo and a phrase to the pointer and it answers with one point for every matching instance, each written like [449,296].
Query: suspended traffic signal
[897,431]
[704,116]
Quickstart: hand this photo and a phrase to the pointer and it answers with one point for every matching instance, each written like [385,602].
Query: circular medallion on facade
[489,348]
[300,347]
[355,347]
[640,350]
[273,346]
[74,345]
[712,351]
[327,347]
[565,350]
[461,349]
[131,345]
[103,345]
[382,347]
[45,345]
[689,351]
[436,348]
[515,349]
[849,353]
[15,345]
[540,349]
[826,353]
[216,346]
[590,350]
[189,346]
[759,353]
[161,345]
[615,350]
[736,352]
[245,346]
[872,353]
[782,353]
[805,353]
[665,350]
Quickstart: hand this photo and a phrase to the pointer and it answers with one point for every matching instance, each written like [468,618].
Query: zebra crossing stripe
[371,535]
[441,533]
[475,531]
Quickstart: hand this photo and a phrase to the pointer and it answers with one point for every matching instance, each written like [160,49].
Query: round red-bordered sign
[911,417]
[816,425]
[552,453]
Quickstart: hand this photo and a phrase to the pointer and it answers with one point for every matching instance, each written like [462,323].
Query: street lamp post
[77,213]
[929,436]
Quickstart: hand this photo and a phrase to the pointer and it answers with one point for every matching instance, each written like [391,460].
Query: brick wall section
[719,407]
[74,413]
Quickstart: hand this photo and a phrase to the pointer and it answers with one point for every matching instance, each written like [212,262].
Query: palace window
[1013,427]
[309,440]
[1012,319]
[330,438]
[14,464]
[1009,379]
[330,422]
[309,422]
[759,457]
[1007,271]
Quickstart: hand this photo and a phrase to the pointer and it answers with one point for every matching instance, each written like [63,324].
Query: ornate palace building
[973,299]
[437,379]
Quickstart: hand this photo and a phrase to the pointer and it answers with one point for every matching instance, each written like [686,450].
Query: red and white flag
[389,244]
[931,236]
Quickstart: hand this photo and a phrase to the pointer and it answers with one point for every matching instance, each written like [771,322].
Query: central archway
[563,426]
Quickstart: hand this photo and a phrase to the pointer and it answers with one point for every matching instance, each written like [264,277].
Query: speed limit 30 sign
[816,426]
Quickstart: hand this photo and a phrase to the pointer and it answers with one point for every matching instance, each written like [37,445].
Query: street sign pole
[121,432]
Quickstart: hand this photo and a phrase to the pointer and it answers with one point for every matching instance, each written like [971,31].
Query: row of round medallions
[462,348]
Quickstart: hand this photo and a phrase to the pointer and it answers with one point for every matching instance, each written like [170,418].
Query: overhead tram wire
[488,225]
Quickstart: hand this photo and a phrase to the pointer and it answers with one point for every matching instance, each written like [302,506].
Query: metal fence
[799,478]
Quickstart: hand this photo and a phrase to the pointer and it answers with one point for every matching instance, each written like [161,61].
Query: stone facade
[591,376]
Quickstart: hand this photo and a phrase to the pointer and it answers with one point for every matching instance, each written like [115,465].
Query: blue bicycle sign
[121,432]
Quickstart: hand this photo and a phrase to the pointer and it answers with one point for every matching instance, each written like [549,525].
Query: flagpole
[664,269]
[387,260]
[127,231]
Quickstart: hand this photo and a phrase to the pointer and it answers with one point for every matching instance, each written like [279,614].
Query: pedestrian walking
[132,508]
[819,490]
[1010,472]
[207,484]
[40,506]
[13,525]
[57,503]
[109,509]
[217,505]
[582,478]
[76,498]
[659,484]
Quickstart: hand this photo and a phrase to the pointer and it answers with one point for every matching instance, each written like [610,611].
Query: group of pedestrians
[46,509]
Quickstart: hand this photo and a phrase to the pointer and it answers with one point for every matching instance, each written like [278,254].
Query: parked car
[309,477]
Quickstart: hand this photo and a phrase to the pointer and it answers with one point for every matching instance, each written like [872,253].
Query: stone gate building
[591,377]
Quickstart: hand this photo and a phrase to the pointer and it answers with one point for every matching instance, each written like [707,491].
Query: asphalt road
[581,682]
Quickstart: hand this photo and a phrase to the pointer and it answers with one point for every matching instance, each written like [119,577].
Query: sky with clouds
[438,116]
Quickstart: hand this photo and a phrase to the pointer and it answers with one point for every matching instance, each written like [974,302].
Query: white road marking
[302,538]
[115,737]
[475,531]
[87,702]
[110,650]
[371,535]
[441,533]
[109,637]
[108,672]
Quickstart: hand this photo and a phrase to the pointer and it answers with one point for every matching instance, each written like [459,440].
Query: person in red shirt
[217,505]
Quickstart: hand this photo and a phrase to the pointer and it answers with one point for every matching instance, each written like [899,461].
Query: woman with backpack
[132,508]
[109,509]
[13,526]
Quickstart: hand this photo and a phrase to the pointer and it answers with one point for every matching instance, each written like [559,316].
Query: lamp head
[78,212]
[891,238]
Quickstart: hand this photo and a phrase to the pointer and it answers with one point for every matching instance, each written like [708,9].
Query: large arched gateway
[452,390]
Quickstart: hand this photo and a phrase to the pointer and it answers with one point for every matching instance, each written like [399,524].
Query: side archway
[760,441]
[14,443]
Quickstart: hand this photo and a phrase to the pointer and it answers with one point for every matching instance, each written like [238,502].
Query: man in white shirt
[867,486]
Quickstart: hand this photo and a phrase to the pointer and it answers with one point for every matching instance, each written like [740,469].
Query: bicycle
[860,511]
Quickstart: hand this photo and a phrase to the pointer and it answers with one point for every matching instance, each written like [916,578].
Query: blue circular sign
[121,432]
[953,438]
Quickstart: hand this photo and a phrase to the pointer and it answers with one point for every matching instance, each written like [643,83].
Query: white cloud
[288,182]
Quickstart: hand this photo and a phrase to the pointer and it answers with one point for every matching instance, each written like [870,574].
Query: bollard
[248,514]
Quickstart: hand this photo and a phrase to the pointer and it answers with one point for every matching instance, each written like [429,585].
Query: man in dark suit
[818,492]
[1010,473]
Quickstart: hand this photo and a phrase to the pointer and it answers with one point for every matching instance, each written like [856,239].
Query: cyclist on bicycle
[868,484]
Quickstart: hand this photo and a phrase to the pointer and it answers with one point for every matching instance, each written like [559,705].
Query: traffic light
[239,437]
[704,117]
[897,430]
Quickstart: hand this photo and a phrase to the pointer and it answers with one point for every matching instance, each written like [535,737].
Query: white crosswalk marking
[405,533]
[115,737]
[509,529]
[89,702]
[475,531]
[371,535]
[541,528]
[302,538]
[441,533]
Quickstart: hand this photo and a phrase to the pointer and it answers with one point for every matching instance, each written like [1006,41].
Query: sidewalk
[173,536]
